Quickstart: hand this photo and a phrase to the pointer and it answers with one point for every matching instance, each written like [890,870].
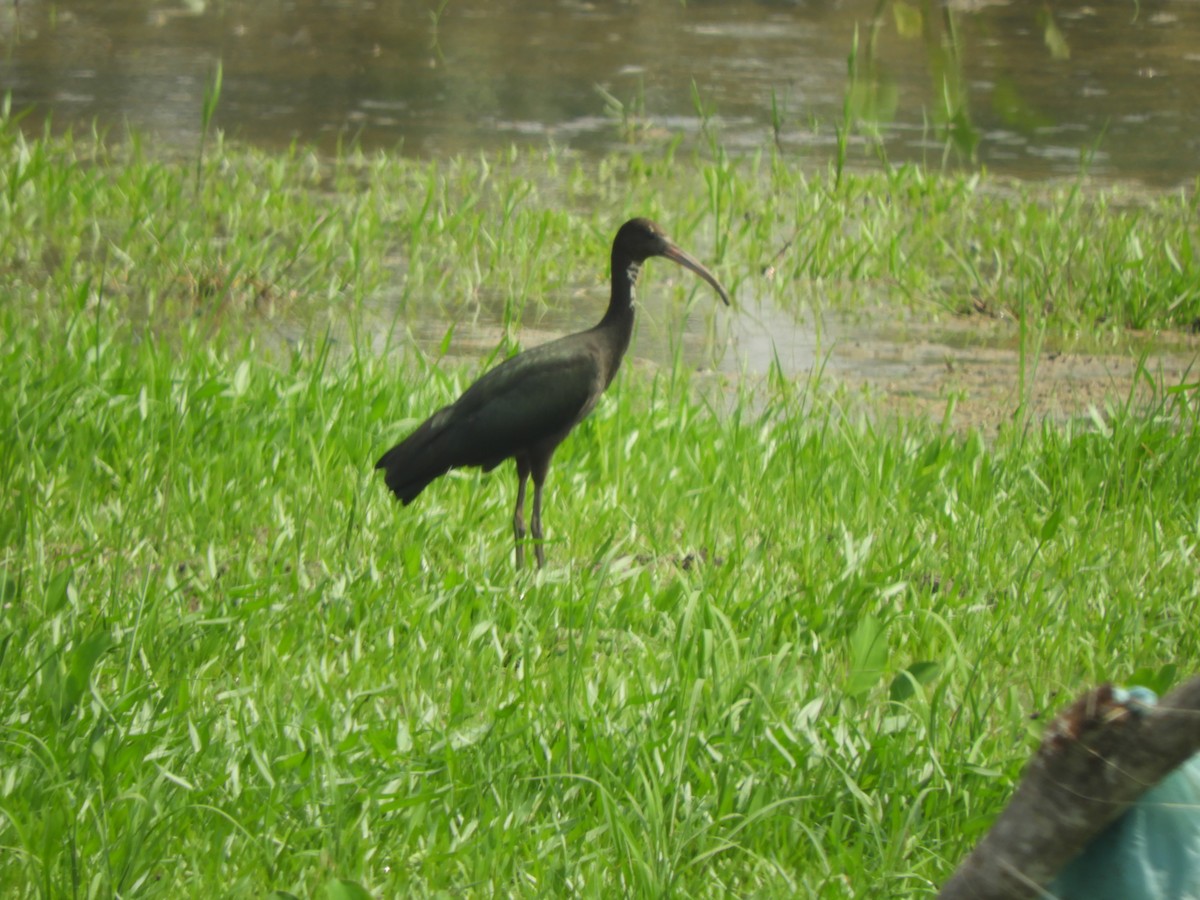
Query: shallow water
[1031,87]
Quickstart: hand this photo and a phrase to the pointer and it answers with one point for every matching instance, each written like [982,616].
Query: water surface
[1025,89]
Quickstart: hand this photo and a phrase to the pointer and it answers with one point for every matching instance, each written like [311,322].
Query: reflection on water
[1021,88]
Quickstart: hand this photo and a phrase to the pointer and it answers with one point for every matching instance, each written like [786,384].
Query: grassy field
[783,646]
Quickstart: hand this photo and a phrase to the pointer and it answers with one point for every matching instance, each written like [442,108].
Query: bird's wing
[532,398]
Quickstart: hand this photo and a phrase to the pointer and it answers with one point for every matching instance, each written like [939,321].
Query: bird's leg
[540,467]
[519,513]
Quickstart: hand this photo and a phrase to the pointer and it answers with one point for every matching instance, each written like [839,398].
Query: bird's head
[639,239]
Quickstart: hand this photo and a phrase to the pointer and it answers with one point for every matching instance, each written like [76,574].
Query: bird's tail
[412,464]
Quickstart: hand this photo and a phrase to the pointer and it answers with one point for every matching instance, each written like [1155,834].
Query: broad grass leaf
[58,590]
[341,889]
[83,660]
[906,682]
[1051,525]
[868,656]
[10,587]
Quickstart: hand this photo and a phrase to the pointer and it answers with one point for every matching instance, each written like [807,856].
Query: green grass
[783,646]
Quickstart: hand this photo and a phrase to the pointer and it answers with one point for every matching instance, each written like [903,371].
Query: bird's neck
[618,320]
[621,301]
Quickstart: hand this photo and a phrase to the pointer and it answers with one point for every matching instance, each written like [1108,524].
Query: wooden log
[1098,756]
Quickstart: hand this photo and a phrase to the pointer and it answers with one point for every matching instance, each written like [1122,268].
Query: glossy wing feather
[532,400]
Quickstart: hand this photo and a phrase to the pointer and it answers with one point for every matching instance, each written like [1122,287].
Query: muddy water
[973,370]
[896,364]
[1023,89]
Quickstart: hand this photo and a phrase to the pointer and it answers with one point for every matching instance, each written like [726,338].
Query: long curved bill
[690,262]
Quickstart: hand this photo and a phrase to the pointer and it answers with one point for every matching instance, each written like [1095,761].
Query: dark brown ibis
[524,407]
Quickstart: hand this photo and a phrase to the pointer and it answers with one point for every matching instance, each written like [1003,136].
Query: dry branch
[1098,756]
